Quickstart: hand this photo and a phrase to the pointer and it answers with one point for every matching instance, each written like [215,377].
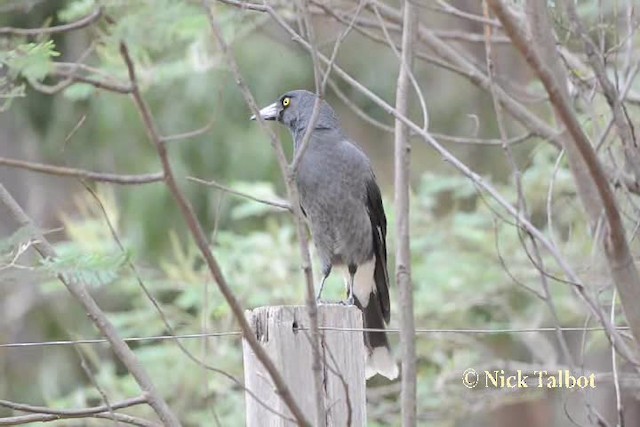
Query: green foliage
[33,61]
[175,24]
[93,269]
[76,10]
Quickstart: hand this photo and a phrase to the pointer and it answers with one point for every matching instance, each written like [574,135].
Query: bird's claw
[349,301]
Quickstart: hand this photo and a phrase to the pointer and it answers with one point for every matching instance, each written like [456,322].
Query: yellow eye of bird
[286,102]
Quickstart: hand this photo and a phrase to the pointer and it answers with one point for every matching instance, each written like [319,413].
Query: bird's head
[294,110]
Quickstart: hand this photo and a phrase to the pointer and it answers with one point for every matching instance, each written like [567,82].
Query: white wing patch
[363,282]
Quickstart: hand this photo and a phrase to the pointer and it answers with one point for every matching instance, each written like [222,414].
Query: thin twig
[190,134]
[275,203]
[245,5]
[614,367]
[465,140]
[624,96]
[445,7]
[62,70]
[73,412]
[301,147]
[92,379]
[80,23]
[410,75]
[82,173]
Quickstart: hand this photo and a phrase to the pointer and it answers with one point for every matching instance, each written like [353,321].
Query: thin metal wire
[324,328]
[473,331]
[103,340]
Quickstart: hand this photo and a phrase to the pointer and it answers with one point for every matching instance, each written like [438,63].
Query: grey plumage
[342,202]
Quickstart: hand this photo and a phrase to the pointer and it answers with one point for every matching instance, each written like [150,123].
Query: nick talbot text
[541,379]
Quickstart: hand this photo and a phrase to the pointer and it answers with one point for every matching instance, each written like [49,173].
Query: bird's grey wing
[379,234]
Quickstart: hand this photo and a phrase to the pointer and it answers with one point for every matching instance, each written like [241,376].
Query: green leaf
[31,60]
[93,269]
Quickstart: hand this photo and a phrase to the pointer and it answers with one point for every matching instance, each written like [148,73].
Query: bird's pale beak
[270,112]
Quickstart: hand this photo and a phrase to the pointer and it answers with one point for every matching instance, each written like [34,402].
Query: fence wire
[419,331]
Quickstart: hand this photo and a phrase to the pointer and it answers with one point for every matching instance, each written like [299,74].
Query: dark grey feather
[343,207]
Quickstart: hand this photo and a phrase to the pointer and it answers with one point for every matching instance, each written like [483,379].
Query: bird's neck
[320,132]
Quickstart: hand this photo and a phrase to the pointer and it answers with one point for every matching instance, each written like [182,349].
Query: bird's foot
[349,301]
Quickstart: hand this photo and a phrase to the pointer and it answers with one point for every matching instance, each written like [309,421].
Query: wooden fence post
[284,333]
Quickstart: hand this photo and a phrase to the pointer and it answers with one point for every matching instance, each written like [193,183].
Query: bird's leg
[352,273]
[326,270]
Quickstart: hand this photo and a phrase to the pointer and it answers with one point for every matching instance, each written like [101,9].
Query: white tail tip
[381,362]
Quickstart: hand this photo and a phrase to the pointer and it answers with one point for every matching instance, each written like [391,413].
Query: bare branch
[245,5]
[73,412]
[445,7]
[410,75]
[64,71]
[621,263]
[476,76]
[43,418]
[81,23]
[402,159]
[459,36]
[78,290]
[81,173]
[620,117]
[201,241]
[378,39]
[319,87]
[92,379]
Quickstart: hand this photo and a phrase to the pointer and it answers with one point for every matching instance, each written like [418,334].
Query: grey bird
[342,203]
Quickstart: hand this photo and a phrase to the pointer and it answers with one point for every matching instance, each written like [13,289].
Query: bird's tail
[379,358]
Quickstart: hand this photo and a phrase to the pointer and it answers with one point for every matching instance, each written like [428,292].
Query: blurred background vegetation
[469,265]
